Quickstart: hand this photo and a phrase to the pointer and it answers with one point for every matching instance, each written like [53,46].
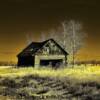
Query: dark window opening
[53,63]
[26,61]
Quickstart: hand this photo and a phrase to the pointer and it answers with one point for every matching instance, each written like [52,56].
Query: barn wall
[46,57]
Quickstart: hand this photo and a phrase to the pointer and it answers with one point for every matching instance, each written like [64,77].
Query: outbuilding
[44,53]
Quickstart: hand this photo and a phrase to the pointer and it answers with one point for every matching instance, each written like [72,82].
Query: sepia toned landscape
[49,49]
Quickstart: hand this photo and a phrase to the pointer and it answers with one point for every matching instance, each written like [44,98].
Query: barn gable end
[50,48]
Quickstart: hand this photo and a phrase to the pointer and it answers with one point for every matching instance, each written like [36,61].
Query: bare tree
[30,38]
[73,37]
[43,37]
[51,34]
[70,36]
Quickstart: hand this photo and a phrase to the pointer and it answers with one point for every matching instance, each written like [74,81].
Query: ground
[79,83]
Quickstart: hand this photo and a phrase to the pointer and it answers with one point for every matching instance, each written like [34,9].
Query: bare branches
[70,36]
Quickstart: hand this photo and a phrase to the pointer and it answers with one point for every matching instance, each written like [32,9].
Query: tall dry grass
[81,73]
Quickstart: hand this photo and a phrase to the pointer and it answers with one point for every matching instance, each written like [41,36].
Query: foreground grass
[79,83]
[81,73]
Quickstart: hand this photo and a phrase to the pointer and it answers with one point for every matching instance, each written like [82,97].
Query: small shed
[44,53]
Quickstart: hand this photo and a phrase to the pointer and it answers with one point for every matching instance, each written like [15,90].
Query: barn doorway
[53,63]
[26,61]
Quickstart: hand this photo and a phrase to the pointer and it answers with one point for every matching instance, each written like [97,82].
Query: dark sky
[21,17]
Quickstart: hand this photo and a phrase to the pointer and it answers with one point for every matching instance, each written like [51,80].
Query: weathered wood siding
[46,57]
[50,49]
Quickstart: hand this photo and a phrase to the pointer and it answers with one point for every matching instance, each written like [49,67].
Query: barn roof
[35,46]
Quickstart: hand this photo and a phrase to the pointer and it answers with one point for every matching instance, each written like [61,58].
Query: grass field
[78,83]
[81,73]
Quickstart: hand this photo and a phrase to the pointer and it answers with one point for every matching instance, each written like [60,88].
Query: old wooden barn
[44,53]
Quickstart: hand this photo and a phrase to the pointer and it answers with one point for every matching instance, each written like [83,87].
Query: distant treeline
[91,62]
[4,63]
